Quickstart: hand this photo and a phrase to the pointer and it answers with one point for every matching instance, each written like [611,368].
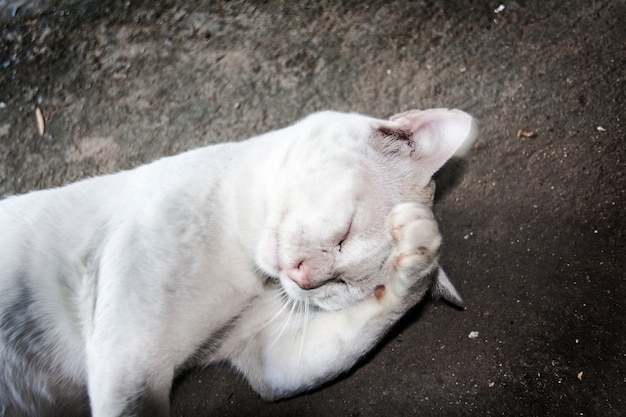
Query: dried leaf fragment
[41,122]
[526,134]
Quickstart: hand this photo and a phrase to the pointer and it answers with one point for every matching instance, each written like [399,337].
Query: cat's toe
[406,213]
[417,238]
[419,244]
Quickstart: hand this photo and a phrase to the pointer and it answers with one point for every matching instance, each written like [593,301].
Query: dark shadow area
[448,177]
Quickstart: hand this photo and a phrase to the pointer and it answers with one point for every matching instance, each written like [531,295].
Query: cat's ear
[443,288]
[430,137]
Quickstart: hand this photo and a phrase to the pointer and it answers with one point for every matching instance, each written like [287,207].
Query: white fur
[116,283]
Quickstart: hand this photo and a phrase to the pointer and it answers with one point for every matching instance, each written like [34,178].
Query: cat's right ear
[430,137]
[444,289]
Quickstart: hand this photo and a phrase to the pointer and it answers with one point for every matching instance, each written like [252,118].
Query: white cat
[288,255]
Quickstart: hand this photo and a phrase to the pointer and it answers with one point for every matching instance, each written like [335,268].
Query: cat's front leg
[126,380]
[330,342]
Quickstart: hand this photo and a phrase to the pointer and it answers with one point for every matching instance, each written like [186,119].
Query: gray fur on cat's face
[326,237]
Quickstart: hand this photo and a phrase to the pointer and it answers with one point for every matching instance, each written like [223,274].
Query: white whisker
[279,297]
[305,321]
[286,324]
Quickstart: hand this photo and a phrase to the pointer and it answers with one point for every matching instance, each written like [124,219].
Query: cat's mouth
[336,280]
[313,286]
[332,294]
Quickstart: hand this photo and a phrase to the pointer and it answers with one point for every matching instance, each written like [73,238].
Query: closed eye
[345,237]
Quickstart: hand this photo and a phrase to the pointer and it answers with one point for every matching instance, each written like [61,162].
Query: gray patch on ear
[391,141]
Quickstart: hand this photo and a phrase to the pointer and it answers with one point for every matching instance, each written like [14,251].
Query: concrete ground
[534,227]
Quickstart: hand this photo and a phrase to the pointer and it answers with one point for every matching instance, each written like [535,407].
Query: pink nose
[301,274]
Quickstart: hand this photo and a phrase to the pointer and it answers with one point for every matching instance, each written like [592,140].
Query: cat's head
[326,236]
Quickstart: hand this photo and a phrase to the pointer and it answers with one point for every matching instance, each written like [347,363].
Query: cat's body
[274,254]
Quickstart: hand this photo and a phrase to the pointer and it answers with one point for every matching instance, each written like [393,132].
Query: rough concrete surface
[534,227]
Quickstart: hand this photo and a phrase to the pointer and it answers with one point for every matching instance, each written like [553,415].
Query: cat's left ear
[433,136]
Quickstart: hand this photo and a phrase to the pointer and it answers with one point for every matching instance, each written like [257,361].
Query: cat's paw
[417,241]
